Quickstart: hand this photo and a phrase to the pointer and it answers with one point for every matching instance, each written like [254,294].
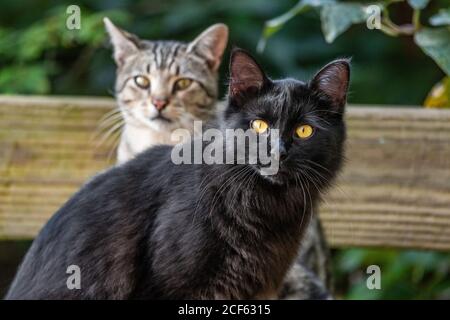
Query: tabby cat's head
[167,84]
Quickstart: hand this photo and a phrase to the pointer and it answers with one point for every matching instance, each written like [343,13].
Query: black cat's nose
[283,155]
[282,151]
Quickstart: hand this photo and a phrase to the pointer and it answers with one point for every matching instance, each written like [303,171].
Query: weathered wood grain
[393,192]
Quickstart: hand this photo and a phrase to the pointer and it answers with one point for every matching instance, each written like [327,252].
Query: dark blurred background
[38,55]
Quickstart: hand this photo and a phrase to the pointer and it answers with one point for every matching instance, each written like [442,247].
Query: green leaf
[34,41]
[418,4]
[442,18]
[28,79]
[351,259]
[272,26]
[337,18]
[436,44]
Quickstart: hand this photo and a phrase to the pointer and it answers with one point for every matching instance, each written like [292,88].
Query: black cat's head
[308,116]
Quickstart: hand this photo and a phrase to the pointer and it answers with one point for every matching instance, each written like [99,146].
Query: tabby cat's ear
[211,44]
[333,80]
[124,43]
[246,76]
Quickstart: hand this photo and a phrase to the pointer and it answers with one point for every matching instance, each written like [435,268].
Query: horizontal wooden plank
[393,192]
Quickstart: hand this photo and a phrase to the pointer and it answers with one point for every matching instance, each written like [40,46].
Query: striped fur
[164,63]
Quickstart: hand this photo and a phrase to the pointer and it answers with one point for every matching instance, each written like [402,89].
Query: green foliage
[274,25]
[442,18]
[78,62]
[436,44]
[404,274]
[337,17]
[22,50]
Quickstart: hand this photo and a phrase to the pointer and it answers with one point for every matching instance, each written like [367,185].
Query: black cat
[151,229]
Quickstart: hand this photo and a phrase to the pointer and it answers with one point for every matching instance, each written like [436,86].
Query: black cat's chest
[259,235]
[227,238]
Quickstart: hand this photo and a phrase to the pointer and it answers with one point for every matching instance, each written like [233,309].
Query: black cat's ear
[124,43]
[246,76]
[333,80]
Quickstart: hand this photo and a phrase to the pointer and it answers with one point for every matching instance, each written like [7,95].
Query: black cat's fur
[150,229]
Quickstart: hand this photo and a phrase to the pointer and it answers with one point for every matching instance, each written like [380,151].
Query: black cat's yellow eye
[260,126]
[183,83]
[142,82]
[304,131]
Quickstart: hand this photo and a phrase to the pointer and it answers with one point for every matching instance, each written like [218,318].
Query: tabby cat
[164,85]
[151,229]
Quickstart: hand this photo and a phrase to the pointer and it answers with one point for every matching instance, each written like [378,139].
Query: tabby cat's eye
[142,82]
[304,131]
[260,126]
[182,84]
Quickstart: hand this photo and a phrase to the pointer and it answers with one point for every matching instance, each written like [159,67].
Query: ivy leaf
[436,44]
[337,18]
[418,4]
[274,25]
[442,18]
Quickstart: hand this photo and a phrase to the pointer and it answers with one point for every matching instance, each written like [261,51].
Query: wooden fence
[393,192]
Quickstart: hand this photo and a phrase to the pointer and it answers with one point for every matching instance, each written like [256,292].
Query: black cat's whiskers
[337,187]
[317,164]
[227,183]
[313,175]
[212,172]
[310,207]
[305,206]
[233,175]
[245,179]
[321,179]
[309,174]
[239,179]
[206,187]
[207,176]
[230,180]
[299,183]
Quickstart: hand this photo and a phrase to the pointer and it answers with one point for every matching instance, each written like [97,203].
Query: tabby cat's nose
[160,104]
